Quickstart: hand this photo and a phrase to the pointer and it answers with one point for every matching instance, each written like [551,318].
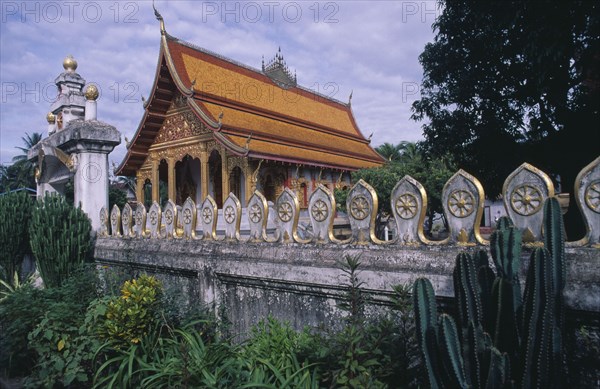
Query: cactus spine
[60,238]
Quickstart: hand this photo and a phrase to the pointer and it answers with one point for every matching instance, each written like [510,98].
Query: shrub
[270,356]
[60,238]
[61,339]
[24,310]
[131,315]
[15,212]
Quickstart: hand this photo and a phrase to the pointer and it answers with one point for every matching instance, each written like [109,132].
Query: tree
[389,151]
[29,141]
[20,173]
[507,83]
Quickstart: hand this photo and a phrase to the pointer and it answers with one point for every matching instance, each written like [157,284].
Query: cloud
[370,48]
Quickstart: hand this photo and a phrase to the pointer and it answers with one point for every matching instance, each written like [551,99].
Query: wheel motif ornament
[319,210]
[169,216]
[187,216]
[461,203]
[526,200]
[229,213]
[285,212]
[592,196]
[255,213]
[153,218]
[406,206]
[138,218]
[207,215]
[360,207]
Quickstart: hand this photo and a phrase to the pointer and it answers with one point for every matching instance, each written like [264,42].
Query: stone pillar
[204,173]
[172,182]
[224,175]
[91,184]
[155,180]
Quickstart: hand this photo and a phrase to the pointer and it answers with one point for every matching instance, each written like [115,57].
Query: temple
[215,126]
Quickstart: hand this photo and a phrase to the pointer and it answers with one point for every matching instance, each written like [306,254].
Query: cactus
[60,238]
[527,331]
[505,246]
[485,278]
[554,241]
[466,290]
[453,368]
[15,212]
[426,326]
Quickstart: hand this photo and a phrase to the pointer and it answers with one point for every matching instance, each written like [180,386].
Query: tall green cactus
[472,362]
[60,238]
[426,326]
[527,331]
[15,212]
[505,246]
[466,290]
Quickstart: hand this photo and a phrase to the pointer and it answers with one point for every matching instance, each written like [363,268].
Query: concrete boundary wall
[303,283]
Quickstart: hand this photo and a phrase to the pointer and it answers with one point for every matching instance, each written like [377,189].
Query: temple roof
[250,112]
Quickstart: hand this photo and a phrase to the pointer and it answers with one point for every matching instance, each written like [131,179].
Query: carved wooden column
[139,187]
[172,183]
[155,180]
[224,175]
[248,183]
[204,173]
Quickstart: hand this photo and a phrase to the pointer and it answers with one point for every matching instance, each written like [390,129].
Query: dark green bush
[25,309]
[15,212]
[60,238]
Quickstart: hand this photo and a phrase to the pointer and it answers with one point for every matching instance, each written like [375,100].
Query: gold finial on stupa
[69,63]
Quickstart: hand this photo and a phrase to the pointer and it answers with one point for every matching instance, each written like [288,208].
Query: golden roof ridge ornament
[350,97]
[160,19]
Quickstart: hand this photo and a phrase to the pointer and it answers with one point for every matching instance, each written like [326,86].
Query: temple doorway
[216,177]
[187,180]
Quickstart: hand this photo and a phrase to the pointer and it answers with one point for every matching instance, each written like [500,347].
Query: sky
[367,48]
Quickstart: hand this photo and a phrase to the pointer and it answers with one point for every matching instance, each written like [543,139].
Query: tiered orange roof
[250,114]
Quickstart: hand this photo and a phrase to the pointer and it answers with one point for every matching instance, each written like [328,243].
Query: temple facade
[215,126]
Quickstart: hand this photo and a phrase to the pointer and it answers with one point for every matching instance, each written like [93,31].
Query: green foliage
[60,238]
[116,196]
[22,312]
[21,173]
[8,288]
[132,314]
[527,345]
[167,357]
[270,356]
[15,212]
